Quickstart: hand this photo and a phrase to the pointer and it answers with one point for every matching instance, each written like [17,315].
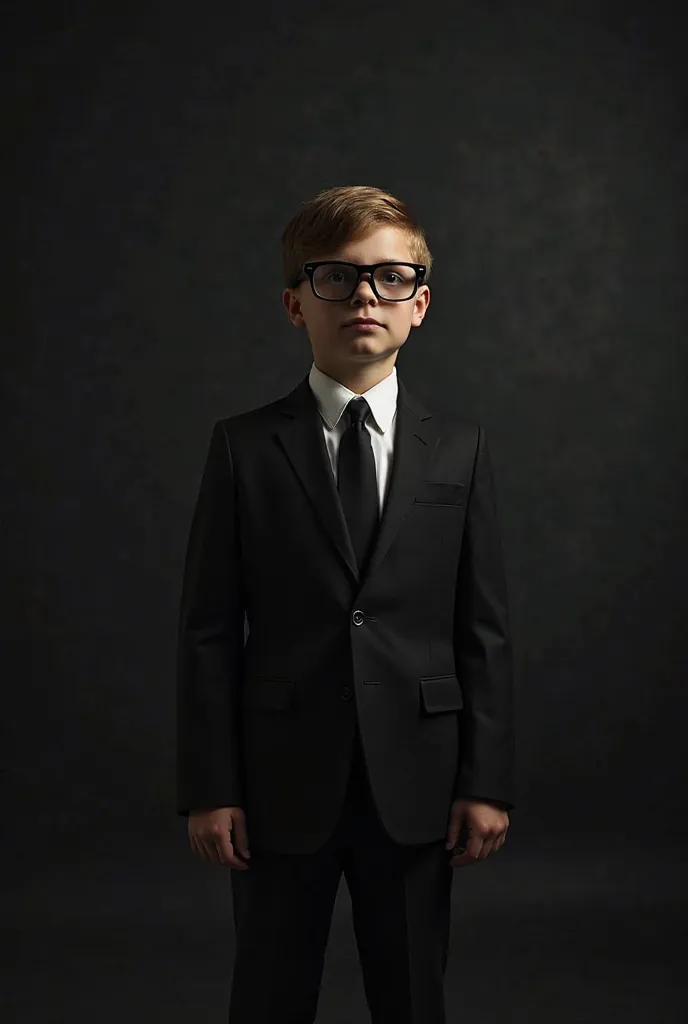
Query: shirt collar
[332,398]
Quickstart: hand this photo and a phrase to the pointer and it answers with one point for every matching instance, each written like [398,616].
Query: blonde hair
[343,214]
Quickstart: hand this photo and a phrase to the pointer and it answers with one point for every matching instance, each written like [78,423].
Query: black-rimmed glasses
[337,280]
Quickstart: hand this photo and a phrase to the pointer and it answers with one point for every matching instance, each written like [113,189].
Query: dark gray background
[155,156]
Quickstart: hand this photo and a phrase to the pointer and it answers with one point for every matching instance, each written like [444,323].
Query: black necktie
[357,481]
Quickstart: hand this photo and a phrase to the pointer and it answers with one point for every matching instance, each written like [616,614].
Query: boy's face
[335,345]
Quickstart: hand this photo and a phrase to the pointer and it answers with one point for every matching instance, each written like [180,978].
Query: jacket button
[346,693]
[358,617]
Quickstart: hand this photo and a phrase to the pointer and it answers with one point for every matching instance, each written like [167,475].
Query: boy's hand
[486,825]
[219,836]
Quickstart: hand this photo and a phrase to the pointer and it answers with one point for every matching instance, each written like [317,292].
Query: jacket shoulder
[248,420]
[457,427]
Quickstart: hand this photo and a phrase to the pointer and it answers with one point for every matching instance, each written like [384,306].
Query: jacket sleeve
[210,640]
[483,649]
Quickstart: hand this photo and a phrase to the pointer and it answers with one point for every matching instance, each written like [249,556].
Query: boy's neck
[359,379]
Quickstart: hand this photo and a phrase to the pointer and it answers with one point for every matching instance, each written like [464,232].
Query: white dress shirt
[332,399]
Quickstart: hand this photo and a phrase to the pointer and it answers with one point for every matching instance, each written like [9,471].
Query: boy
[368,717]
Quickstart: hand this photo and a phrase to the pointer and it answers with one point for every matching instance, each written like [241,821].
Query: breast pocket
[439,492]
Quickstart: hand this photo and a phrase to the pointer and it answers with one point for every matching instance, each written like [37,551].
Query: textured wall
[158,156]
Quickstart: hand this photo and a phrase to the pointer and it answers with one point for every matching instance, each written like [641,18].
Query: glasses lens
[338,280]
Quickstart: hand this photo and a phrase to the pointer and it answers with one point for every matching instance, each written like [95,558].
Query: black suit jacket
[419,647]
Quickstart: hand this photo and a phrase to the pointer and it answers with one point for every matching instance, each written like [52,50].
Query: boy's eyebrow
[386,259]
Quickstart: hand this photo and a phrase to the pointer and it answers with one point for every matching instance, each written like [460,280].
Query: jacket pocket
[440,693]
[271,694]
[439,492]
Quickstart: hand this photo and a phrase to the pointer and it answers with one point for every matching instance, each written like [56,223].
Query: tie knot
[358,409]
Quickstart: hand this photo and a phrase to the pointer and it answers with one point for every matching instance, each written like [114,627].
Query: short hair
[343,214]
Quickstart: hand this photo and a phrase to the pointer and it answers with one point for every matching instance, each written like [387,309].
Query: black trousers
[400,899]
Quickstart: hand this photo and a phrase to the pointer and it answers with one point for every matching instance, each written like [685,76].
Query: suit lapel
[300,435]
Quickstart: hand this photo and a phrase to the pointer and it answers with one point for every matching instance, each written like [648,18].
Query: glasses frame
[361,268]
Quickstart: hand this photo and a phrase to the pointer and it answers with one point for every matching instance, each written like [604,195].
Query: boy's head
[359,224]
